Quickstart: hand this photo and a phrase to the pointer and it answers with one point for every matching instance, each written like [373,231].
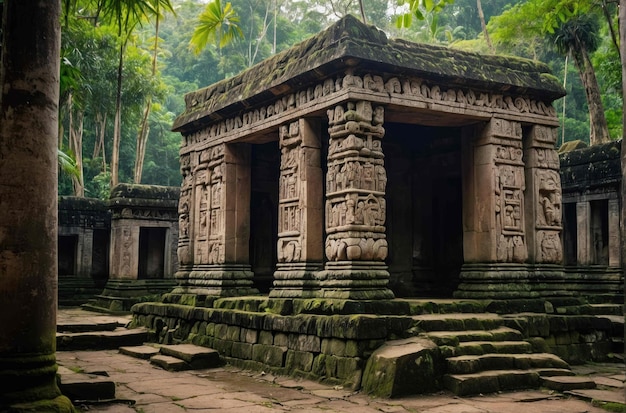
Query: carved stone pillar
[299,211]
[356,245]
[493,205]
[218,230]
[544,207]
[583,233]
[615,255]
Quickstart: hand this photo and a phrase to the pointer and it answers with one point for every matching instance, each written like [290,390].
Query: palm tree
[579,36]
[216,24]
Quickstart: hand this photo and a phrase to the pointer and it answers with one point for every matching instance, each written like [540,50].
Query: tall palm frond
[216,24]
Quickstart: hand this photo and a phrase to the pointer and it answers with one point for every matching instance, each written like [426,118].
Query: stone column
[544,207]
[299,211]
[356,245]
[614,234]
[219,224]
[583,233]
[124,252]
[493,204]
[29,97]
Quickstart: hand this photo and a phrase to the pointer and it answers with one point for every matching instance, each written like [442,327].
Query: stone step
[491,381]
[197,357]
[487,347]
[564,383]
[140,352]
[607,309]
[453,338]
[169,363]
[475,363]
[79,386]
[81,327]
[445,306]
[101,340]
[457,322]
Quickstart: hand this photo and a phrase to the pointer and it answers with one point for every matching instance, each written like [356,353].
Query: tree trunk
[622,45]
[76,146]
[117,124]
[29,108]
[483,24]
[598,129]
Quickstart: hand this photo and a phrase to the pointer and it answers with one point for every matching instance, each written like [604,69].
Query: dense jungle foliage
[126,65]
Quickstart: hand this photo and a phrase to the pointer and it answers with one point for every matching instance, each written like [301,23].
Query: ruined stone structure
[388,166]
[591,179]
[352,169]
[143,239]
[84,231]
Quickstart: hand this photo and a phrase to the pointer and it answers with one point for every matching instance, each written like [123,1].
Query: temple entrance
[424,215]
[67,254]
[151,253]
[265,169]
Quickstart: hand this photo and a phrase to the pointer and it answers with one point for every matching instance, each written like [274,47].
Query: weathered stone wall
[277,335]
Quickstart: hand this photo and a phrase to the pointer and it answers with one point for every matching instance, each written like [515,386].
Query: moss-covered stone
[351,43]
[409,366]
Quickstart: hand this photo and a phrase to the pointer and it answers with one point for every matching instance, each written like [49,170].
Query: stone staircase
[483,355]
[175,357]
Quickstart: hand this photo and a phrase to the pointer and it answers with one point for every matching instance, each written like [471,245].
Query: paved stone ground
[142,387]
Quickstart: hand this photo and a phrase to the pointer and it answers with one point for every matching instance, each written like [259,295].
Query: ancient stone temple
[353,180]
[359,167]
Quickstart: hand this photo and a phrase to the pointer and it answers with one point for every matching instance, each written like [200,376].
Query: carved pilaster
[544,211]
[356,246]
[299,211]
[494,205]
[213,247]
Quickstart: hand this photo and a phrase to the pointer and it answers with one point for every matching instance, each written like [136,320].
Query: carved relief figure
[549,199]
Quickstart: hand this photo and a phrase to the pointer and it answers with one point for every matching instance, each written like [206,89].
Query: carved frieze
[406,88]
[355,183]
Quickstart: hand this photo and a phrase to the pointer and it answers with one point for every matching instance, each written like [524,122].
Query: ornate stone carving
[355,182]
[406,88]
[291,197]
[549,198]
[509,193]
[209,224]
[549,246]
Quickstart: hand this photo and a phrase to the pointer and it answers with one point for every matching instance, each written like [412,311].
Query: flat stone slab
[79,327]
[140,352]
[101,340]
[563,383]
[197,357]
[611,396]
[609,382]
[84,386]
[169,363]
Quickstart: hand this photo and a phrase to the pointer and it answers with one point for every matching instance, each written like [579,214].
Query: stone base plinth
[355,280]
[597,284]
[296,280]
[222,280]
[507,281]
[119,295]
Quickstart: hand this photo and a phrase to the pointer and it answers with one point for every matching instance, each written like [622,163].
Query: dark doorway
[424,213]
[151,253]
[67,254]
[100,257]
[265,170]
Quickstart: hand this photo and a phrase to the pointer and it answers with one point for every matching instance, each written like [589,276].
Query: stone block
[333,346]
[233,333]
[299,360]
[281,339]
[273,356]
[224,347]
[303,342]
[249,335]
[242,351]
[401,367]
[266,337]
